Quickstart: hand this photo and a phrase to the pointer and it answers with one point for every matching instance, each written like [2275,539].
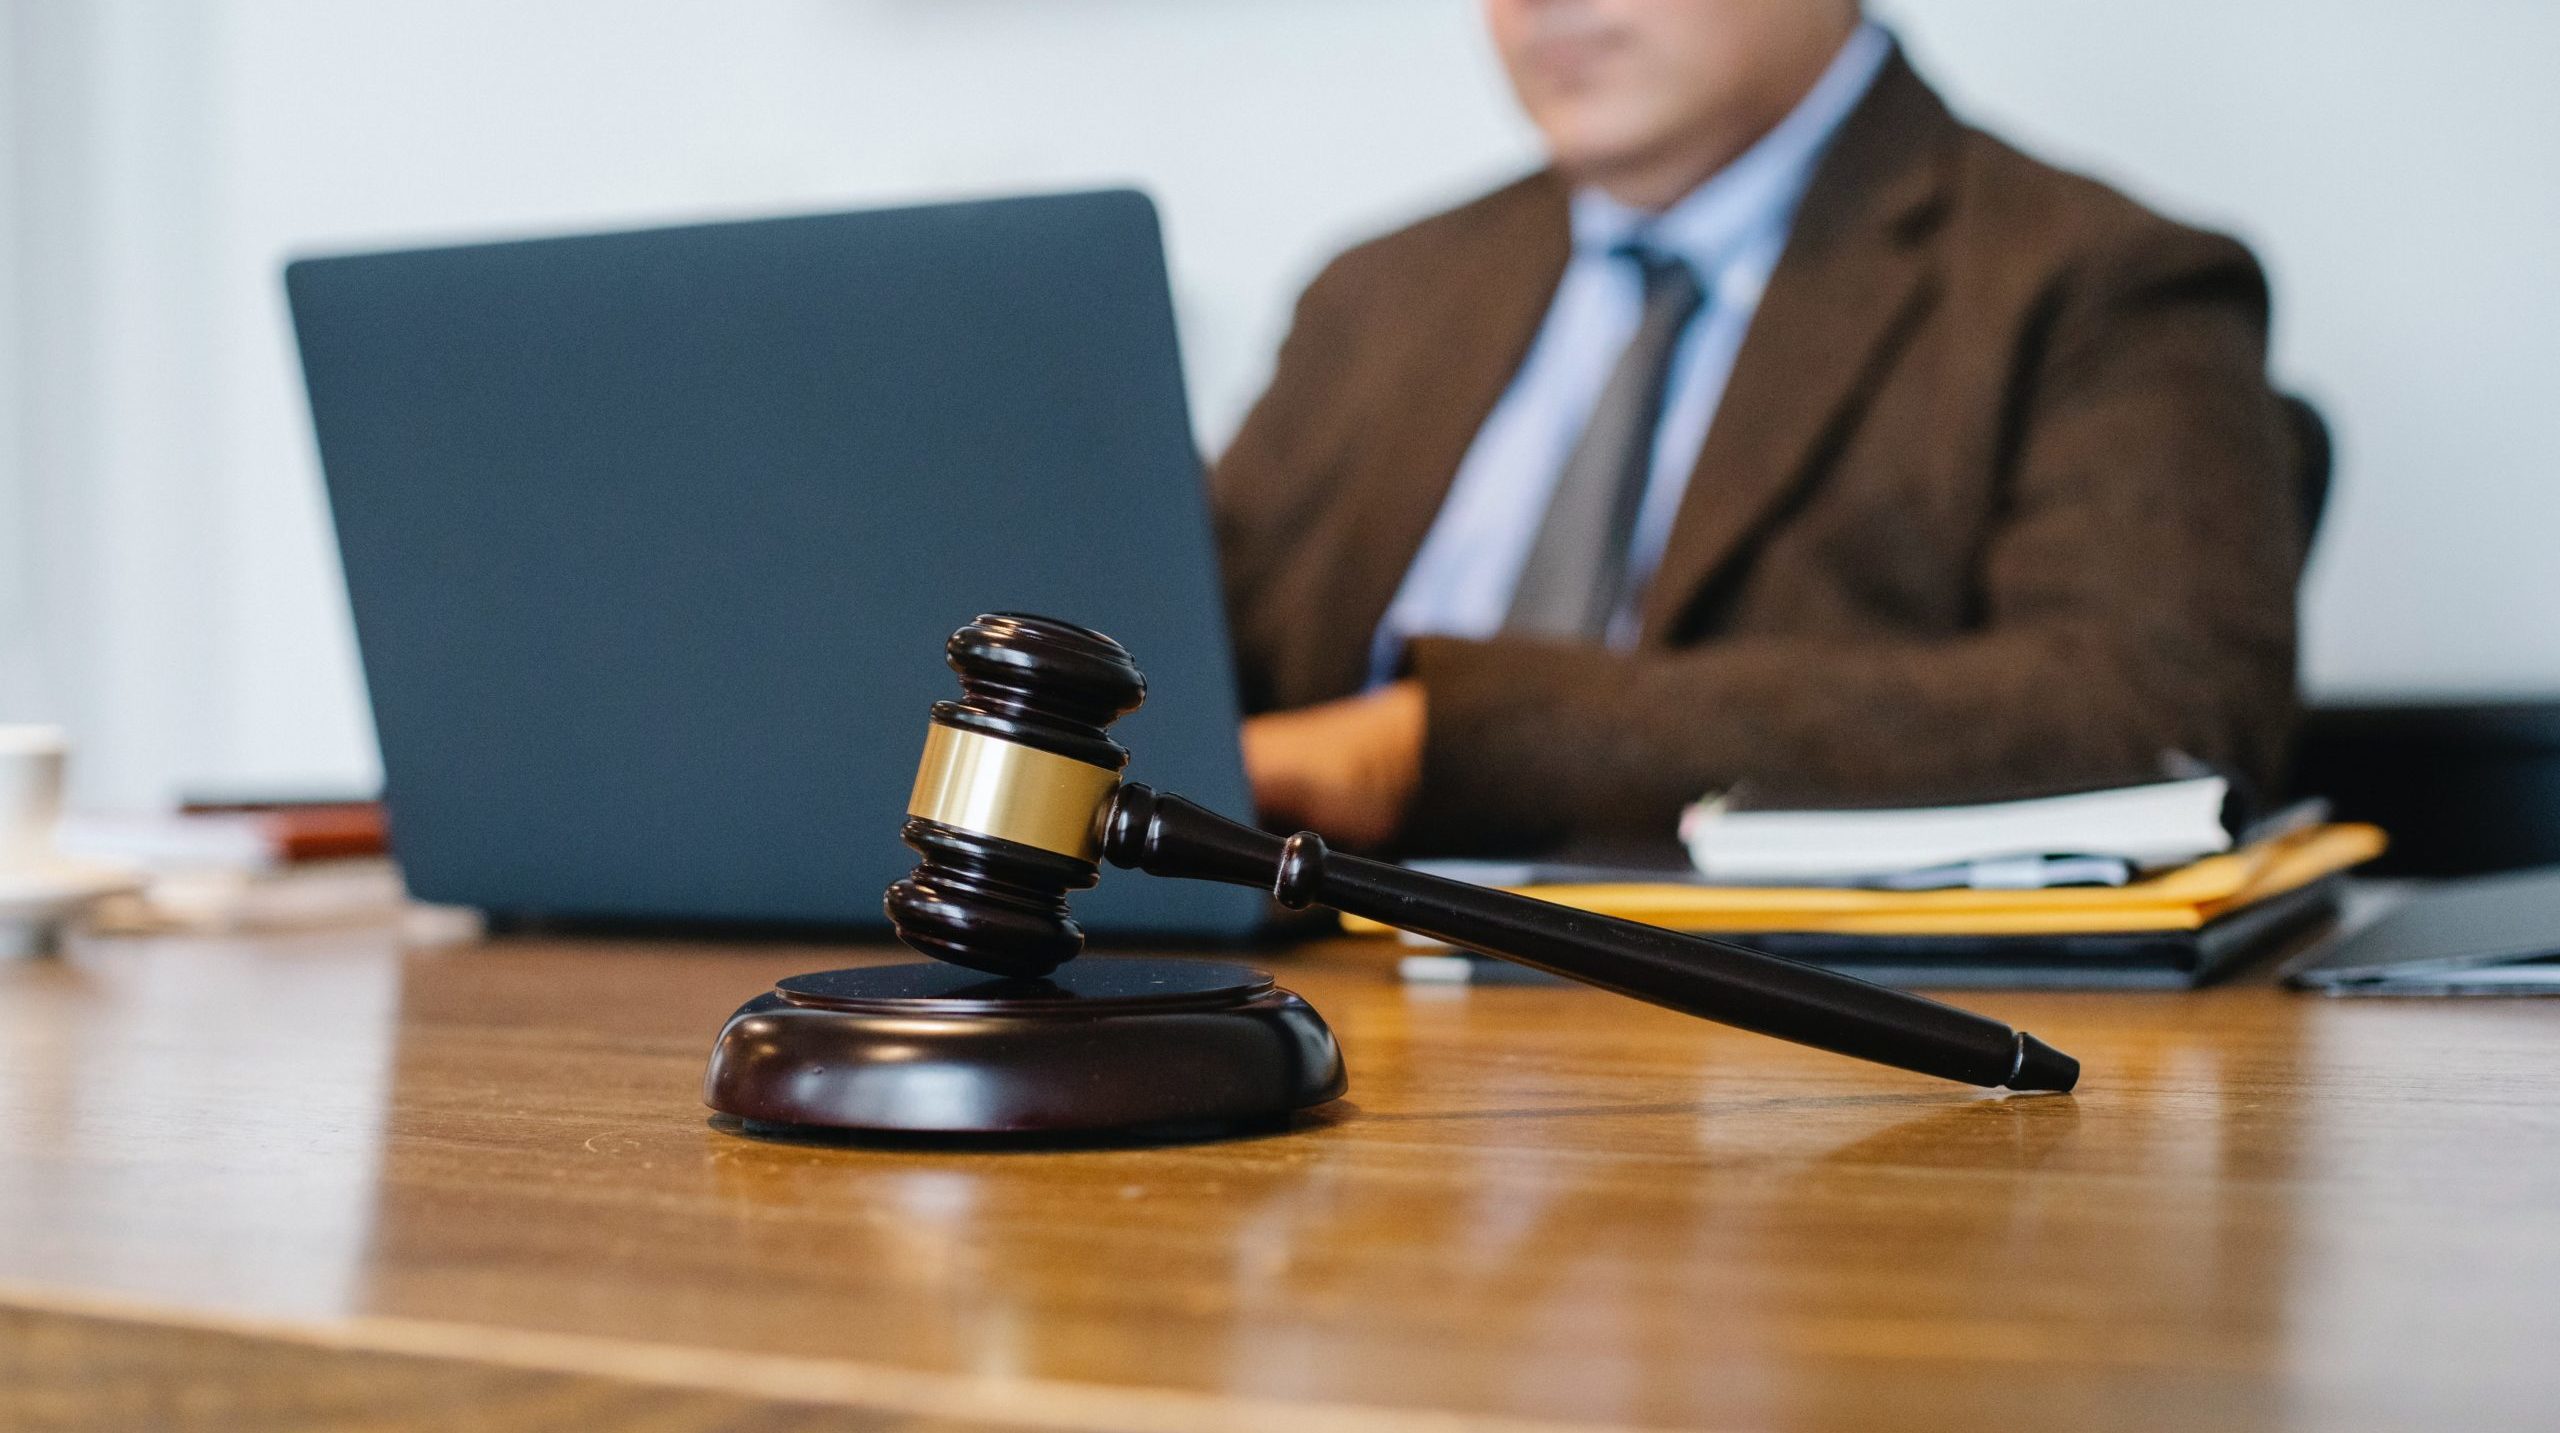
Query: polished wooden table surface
[320,1182]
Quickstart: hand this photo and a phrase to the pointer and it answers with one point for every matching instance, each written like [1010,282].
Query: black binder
[2124,960]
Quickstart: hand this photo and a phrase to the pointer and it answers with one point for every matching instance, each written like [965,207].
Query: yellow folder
[2182,899]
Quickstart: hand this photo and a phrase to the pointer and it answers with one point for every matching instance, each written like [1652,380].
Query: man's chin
[1593,150]
[1643,166]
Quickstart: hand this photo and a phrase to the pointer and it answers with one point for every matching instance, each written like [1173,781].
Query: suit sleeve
[1279,465]
[2137,596]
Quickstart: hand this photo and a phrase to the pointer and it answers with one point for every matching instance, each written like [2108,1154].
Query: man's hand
[1345,769]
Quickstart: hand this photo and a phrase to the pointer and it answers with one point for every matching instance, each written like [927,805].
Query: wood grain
[318,1178]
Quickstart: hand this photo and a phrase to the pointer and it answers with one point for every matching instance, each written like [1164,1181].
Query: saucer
[35,900]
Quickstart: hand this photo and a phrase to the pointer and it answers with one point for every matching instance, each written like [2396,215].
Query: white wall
[17,636]
[167,585]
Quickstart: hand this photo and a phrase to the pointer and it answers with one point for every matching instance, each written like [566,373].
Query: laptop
[2479,935]
[653,540]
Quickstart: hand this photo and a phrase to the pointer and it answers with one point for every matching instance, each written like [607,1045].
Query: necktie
[1576,575]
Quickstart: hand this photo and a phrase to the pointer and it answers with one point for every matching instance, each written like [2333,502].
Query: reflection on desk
[301,1179]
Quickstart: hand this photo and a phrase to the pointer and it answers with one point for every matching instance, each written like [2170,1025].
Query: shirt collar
[1754,196]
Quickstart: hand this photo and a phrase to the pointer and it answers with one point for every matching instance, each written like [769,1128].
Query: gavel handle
[1165,835]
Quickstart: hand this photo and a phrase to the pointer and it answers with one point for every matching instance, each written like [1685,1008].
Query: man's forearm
[1529,741]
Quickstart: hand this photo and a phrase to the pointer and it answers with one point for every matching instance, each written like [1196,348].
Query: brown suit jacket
[1998,494]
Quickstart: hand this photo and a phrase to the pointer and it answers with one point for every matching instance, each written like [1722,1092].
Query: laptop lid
[653,540]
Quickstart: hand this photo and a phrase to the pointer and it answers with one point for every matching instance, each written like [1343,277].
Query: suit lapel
[1462,358]
[1855,273]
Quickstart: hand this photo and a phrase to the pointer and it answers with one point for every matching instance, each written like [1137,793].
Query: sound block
[1101,1044]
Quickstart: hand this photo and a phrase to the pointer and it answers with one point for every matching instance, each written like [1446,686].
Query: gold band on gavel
[1013,792]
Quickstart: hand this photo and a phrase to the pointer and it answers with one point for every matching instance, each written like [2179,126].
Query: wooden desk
[315,1182]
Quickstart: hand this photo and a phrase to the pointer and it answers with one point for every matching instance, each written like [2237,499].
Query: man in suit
[1786,430]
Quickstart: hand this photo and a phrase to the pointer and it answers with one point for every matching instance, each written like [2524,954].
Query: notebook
[2104,835]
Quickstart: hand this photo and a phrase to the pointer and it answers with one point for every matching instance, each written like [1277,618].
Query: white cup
[31,762]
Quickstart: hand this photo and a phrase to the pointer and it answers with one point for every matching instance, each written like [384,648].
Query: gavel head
[1008,801]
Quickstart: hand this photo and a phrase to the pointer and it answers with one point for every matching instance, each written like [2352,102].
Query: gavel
[1019,799]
